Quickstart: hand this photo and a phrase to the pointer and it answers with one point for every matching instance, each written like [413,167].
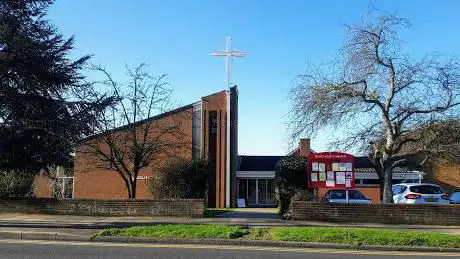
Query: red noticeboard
[331,170]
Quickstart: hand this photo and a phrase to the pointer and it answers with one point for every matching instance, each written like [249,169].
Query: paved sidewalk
[19,221]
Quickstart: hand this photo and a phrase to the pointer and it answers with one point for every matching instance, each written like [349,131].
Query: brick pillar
[304,147]
[304,151]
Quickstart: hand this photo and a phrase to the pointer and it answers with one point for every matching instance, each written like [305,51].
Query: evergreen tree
[46,105]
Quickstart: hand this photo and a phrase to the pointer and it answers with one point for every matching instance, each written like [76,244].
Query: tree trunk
[133,188]
[386,162]
[387,184]
[128,189]
[381,183]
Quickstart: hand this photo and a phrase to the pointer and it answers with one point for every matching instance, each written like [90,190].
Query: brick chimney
[304,147]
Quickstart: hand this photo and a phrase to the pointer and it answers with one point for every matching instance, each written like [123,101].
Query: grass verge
[178,231]
[357,236]
[352,236]
[212,212]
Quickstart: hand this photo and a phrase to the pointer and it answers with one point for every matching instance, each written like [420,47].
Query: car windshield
[352,195]
[338,194]
[426,189]
[356,195]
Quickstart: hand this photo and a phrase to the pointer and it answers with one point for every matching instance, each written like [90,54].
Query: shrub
[304,195]
[290,178]
[180,179]
[16,183]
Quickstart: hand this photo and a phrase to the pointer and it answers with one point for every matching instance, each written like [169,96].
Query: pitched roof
[220,92]
[156,117]
[268,163]
[258,163]
[363,164]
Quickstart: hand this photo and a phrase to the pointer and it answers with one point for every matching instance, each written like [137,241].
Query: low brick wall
[377,213]
[176,207]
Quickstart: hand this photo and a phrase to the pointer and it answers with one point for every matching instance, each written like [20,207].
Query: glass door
[257,191]
[270,191]
[262,184]
[252,192]
[266,191]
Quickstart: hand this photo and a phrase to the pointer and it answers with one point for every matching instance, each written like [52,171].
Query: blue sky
[176,37]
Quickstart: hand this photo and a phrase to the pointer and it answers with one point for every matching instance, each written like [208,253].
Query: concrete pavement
[245,217]
[85,235]
[15,249]
[82,228]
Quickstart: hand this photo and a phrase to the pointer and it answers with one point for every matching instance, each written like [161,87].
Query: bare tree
[131,138]
[380,97]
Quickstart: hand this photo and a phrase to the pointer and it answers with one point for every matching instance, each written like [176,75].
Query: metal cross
[228,53]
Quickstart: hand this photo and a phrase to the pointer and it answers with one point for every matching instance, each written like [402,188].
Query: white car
[339,196]
[455,198]
[419,193]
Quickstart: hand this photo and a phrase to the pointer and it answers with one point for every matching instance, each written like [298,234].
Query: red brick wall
[304,147]
[378,213]
[176,207]
[94,182]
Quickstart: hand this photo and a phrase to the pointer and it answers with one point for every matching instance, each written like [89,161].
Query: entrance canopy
[256,180]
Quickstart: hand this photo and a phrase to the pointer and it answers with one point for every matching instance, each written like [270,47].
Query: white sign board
[340,177]
[330,183]
[241,203]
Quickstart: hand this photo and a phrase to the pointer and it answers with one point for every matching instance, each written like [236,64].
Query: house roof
[268,163]
[363,165]
[258,163]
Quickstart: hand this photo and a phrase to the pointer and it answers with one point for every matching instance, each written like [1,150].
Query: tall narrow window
[196,131]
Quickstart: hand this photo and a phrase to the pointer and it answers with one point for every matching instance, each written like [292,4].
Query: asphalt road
[17,249]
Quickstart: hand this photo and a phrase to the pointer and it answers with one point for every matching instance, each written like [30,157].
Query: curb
[271,244]
[55,236]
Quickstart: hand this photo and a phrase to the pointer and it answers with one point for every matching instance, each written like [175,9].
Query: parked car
[339,196]
[455,198]
[410,193]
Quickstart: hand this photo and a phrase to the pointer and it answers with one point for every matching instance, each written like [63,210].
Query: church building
[208,135]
